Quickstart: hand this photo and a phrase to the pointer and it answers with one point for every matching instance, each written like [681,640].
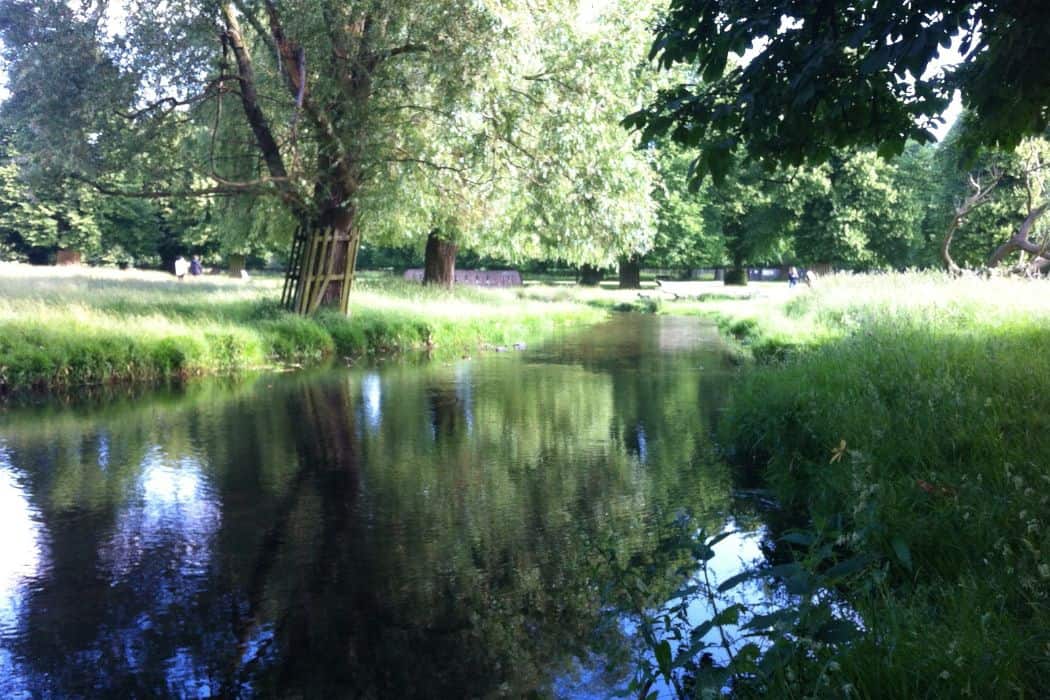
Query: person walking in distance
[181,267]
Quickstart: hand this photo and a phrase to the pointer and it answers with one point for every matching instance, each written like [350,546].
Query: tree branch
[407,48]
[171,102]
[294,68]
[1019,241]
[260,127]
[225,188]
[981,192]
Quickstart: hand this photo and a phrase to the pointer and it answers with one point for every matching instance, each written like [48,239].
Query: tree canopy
[821,76]
[496,124]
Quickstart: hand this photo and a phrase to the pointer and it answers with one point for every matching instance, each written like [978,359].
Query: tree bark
[590,276]
[981,192]
[260,126]
[1019,241]
[736,275]
[235,265]
[631,272]
[946,244]
[439,264]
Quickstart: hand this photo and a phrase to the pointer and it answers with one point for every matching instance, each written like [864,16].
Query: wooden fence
[477,278]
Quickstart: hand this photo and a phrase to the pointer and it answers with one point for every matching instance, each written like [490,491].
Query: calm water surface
[441,530]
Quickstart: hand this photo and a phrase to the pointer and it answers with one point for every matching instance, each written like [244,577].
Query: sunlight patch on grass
[75,326]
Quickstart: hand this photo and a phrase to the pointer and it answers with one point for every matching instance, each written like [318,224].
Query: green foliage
[853,213]
[40,215]
[74,328]
[497,125]
[686,236]
[38,220]
[905,427]
[709,636]
[532,163]
[825,76]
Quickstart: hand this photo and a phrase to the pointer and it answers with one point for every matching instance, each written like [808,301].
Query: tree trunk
[322,263]
[946,245]
[590,276]
[235,265]
[439,262]
[981,191]
[737,274]
[65,256]
[630,272]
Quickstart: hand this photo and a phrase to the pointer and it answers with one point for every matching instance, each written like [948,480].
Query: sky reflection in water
[403,530]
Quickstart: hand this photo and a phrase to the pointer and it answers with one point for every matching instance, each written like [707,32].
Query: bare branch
[981,191]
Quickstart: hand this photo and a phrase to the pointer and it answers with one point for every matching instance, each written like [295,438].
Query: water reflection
[23,556]
[172,513]
[372,399]
[23,548]
[410,531]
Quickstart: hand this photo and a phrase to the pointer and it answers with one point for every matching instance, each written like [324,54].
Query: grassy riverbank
[63,327]
[905,417]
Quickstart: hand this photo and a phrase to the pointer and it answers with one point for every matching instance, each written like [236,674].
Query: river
[407,529]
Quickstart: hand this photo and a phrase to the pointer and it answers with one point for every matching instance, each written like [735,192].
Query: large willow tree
[489,124]
[302,100]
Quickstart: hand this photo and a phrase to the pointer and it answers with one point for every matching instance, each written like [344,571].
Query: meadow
[77,326]
[901,420]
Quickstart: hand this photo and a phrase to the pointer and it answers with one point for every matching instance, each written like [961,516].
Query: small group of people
[808,276]
[192,266]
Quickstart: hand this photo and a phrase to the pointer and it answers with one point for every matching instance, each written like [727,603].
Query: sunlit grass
[940,390]
[76,326]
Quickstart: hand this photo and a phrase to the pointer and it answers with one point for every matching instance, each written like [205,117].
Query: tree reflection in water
[410,531]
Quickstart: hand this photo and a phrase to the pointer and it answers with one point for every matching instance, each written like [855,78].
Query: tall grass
[80,326]
[909,414]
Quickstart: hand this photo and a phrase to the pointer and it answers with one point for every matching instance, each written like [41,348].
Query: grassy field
[64,327]
[905,417]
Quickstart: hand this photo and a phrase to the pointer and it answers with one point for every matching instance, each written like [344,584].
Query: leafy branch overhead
[790,81]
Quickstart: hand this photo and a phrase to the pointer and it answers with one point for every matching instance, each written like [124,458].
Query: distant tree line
[225,128]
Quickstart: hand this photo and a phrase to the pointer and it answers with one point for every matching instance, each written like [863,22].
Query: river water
[428,529]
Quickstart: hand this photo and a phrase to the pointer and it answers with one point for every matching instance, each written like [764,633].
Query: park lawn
[905,417]
[67,327]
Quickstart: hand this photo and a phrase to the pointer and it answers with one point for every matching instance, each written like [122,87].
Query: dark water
[440,530]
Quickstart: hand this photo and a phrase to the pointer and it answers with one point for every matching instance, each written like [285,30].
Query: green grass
[79,326]
[939,390]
